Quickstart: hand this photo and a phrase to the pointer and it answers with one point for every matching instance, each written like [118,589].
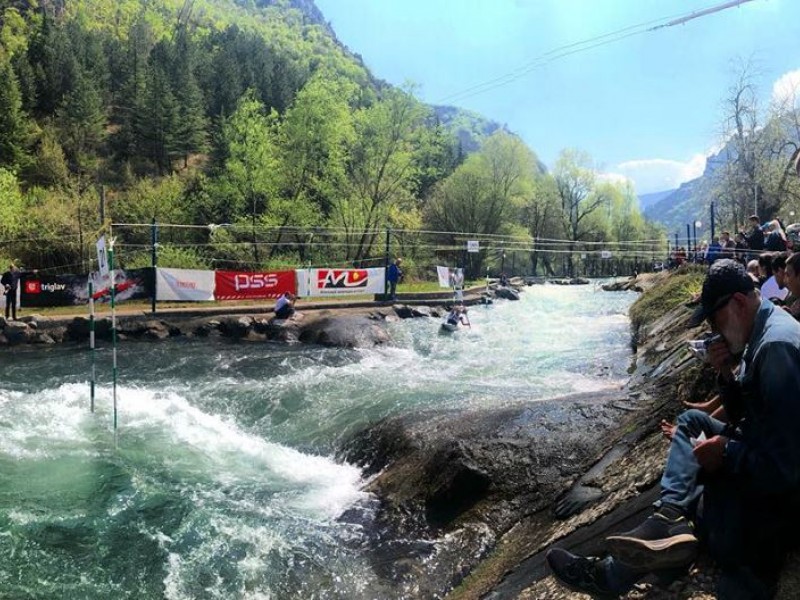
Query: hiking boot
[584,575]
[666,540]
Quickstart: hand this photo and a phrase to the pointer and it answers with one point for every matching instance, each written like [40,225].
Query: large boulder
[507,293]
[345,332]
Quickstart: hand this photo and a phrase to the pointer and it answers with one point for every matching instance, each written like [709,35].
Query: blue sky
[648,107]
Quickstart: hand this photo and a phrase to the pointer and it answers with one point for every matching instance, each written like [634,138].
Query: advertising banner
[340,282]
[240,285]
[184,285]
[72,290]
[443,274]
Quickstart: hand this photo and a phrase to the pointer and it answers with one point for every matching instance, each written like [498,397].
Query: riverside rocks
[337,327]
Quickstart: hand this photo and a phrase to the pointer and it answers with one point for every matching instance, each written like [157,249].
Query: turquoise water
[222,481]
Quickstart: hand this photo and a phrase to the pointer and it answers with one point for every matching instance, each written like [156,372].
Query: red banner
[240,285]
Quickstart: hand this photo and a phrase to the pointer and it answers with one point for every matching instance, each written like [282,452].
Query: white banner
[443,273]
[340,282]
[184,285]
[102,256]
[473,246]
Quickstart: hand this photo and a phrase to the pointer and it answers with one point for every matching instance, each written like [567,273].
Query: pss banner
[238,285]
[340,282]
[73,290]
[184,285]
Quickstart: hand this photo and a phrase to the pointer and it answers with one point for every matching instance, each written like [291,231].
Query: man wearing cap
[746,470]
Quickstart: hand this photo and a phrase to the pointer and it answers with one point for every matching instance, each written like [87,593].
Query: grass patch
[677,289]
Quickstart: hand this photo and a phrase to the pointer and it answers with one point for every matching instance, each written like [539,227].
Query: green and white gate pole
[113,332]
[91,340]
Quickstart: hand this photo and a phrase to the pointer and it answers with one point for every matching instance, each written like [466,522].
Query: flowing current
[222,482]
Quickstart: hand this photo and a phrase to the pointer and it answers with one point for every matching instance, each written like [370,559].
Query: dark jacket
[393,273]
[755,238]
[765,458]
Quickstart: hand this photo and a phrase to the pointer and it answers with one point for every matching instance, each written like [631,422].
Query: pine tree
[82,120]
[14,126]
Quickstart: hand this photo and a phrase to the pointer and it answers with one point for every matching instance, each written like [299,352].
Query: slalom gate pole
[113,333]
[91,341]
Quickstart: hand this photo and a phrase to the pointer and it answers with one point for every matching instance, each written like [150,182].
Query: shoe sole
[654,555]
[575,588]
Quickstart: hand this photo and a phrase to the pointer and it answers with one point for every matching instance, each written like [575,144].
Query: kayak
[448,327]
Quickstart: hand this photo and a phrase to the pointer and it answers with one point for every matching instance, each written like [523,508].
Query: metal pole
[386,262]
[676,240]
[112,274]
[91,341]
[694,232]
[712,223]
[154,262]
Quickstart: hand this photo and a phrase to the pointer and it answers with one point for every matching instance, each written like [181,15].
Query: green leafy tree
[249,172]
[575,182]
[382,169]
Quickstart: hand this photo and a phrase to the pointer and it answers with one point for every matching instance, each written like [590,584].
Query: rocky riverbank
[489,492]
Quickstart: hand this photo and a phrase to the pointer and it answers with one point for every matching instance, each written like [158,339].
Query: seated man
[747,470]
[284,306]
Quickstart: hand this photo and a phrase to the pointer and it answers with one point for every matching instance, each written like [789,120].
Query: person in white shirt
[773,288]
[284,306]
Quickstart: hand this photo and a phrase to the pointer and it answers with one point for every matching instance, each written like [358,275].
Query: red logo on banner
[328,279]
[238,285]
[33,286]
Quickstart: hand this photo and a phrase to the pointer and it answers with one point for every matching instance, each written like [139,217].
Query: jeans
[393,290]
[747,535]
[11,304]
[679,485]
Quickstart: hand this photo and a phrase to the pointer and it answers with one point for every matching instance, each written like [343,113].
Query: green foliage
[14,127]
[49,168]
[169,256]
[677,289]
[11,207]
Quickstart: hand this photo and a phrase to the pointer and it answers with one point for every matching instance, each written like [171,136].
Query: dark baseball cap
[725,278]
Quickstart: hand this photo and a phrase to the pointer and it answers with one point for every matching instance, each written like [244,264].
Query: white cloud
[786,90]
[615,178]
[660,174]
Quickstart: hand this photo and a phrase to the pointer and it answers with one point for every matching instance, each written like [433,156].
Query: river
[221,481]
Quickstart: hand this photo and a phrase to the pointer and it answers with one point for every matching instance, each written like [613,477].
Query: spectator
[284,305]
[746,471]
[727,246]
[792,280]
[740,248]
[713,252]
[775,236]
[754,236]
[754,271]
[774,288]
[394,275]
[10,283]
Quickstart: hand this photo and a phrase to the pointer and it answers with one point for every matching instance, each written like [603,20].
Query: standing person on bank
[394,275]
[747,470]
[10,284]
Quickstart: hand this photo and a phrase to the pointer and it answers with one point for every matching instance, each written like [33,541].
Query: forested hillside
[252,127]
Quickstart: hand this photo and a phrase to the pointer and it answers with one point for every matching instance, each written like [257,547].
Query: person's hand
[711,453]
[668,429]
[720,357]
[708,406]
